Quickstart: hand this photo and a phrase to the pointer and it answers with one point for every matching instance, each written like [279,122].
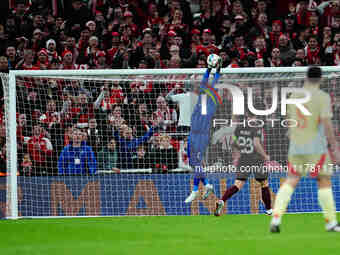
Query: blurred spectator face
[338,46]
[37,130]
[201,63]
[84,35]
[99,17]
[178,40]
[239,41]
[93,42]
[313,21]
[300,54]
[54,65]
[161,103]
[175,5]
[276,27]
[213,39]
[70,43]
[174,50]
[3,63]
[10,52]
[154,53]
[38,21]
[76,5]
[283,41]
[92,26]
[20,9]
[275,53]
[142,108]
[140,152]
[261,6]
[205,4]
[259,62]
[224,56]
[336,37]
[111,145]
[262,19]
[51,47]
[195,38]
[178,15]
[117,112]
[50,19]
[92,124]
[37,35]
[10,24]
[42,58]
[28,56]
[126,132]
[312,43]
[225,28]
[22,120]
[303,6]
[51,106]
[289,22]
[118,13]
[327,32]
[142,65]
[237,7]
[59,21]
[152,9]
[206,38]
[83,99]
[77,136]
[68,58]
[147,39]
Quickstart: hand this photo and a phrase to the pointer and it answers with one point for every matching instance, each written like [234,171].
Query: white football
[213,60]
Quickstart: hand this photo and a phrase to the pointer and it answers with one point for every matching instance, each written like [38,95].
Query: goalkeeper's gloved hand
[219,65]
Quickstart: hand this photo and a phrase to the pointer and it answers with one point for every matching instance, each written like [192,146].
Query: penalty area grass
[175,235]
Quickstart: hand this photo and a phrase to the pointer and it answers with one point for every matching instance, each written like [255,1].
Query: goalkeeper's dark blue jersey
[201,123]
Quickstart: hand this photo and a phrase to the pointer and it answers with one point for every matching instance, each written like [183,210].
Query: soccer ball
[213,60]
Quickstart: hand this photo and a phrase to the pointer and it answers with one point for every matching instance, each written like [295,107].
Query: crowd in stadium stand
[120,34]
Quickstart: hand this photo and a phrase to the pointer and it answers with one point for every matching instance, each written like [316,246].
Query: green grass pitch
[175,235]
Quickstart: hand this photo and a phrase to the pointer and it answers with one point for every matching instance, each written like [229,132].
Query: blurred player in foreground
[308,152]
[247,140]
[199,136]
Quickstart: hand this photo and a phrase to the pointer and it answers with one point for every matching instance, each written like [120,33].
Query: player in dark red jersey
[247,140]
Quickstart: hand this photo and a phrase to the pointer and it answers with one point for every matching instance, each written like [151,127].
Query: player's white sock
[326,201]
[281,203]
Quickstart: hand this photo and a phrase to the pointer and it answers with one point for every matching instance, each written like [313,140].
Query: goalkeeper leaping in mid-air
[199,136]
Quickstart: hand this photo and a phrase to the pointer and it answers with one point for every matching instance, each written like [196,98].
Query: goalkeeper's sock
[229,192]
[196,183]
[281,203]
[326,201]
[266,198]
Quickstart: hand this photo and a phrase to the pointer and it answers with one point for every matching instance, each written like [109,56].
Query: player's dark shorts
[246,169]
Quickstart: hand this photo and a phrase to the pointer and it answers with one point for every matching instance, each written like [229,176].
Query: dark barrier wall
[145,194]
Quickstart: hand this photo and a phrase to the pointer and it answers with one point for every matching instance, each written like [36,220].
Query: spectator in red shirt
[40,150]
[115,46]
[27,62]
[42,62]
[82,111]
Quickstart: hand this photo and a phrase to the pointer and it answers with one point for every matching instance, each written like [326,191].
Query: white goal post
[16,197]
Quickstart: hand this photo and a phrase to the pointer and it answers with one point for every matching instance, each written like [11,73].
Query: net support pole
[12,189]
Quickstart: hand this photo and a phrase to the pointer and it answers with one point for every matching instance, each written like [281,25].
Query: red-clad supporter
[206,47]
[276,33]
[100,62]
[116,93]
[165,115]
[51,48]
[92,27]
[42,62]
[51,117]
[40,149]
[82,110]
[27,62]
[67,63]
[195,39]
[70,45]
[313,51]
[128,20]
[91,51]
[275,60]
[154,20]
[115,46]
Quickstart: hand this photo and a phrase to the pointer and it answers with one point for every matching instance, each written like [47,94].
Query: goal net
[114,142]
